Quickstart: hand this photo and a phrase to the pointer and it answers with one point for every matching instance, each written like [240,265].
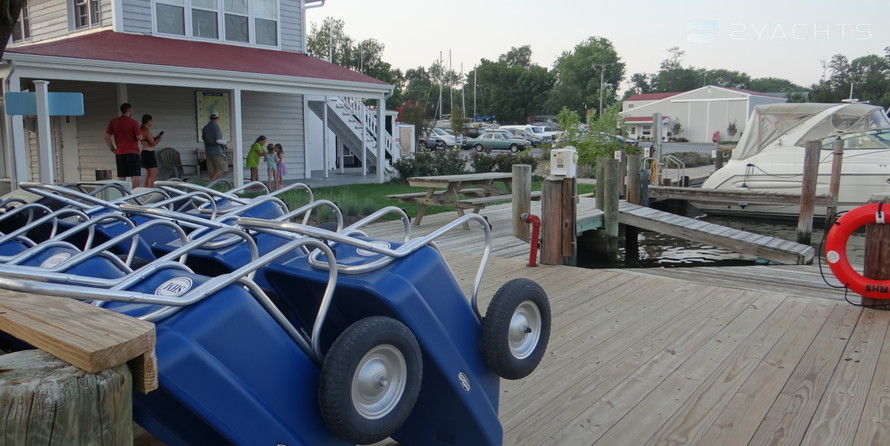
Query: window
[647,130]
[22,28]
[171,17]
[254,21]
[86,13]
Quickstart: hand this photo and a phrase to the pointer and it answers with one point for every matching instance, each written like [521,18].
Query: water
[663,251]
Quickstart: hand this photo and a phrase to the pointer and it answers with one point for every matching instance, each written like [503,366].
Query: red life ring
[836,251]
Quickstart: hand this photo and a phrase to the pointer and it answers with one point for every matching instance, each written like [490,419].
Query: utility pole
[602,82]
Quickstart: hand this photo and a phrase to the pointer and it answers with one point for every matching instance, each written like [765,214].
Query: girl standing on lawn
[281,169]
[271,166]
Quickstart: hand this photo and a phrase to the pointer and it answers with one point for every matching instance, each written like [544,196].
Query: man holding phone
[149,142]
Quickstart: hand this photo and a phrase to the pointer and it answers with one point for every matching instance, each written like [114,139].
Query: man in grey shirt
[213,148]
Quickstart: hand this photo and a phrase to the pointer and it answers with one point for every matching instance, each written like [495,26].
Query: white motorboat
[770,156]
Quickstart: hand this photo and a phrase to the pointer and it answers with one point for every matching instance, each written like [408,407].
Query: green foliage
[732,129]
[503,162]
[869,77]
[439,162]
[677,127]
[413,113]
[458,121]
[512,88]
[577,85]
[568,120]
[481,162]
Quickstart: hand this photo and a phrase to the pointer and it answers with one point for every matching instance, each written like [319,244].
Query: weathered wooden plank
[874,425]
[661,402]
[837,418]
[83,335]
[744,412]
[720,196]
[698,412]
[793,409]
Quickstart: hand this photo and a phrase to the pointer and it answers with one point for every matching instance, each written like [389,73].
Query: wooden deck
[640,359]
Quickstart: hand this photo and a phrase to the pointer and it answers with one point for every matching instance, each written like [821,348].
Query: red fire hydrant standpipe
[536,230]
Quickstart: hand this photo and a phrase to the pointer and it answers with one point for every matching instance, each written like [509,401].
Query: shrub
[446,162]
[503,162]
[482,162]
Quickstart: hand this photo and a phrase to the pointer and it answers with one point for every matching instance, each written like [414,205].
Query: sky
[762,38]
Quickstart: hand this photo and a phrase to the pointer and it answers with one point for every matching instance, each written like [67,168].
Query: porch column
[324,136]
[18,161]
[44,133]
[381,147]
[237,131]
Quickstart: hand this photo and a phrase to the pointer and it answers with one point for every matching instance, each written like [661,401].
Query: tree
[9,15]
[732,129]
[676,127]
[866,78]
[458,121]
[774,85]
[727,79]
[577,76]
[513,88]
[413,113]
[569,121]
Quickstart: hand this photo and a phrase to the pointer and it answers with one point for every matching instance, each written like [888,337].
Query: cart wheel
[370,380]
[516,328]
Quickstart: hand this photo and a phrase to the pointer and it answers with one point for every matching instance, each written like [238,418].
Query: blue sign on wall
[60,104]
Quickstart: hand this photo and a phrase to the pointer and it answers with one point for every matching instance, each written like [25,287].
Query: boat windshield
[867,140]
[795,124]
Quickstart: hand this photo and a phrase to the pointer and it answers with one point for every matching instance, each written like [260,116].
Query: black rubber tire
[479,147]
[514,148]
[512,352]
[344,411]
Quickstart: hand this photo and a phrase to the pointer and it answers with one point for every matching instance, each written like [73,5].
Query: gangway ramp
[758,245]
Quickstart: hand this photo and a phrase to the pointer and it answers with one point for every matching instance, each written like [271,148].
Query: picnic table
[445,190]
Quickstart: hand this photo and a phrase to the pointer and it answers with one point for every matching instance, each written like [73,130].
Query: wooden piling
[44,400]
[522,193]
[609,205]
[808,192]
[558,221]
[718,160]
[877,249]
[634,186]
[622,174]
[834,186]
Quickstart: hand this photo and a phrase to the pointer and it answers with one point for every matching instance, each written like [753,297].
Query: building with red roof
[700,113]
[174,60]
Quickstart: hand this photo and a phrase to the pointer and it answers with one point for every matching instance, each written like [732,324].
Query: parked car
[498,139]
[534,140]
[431,142]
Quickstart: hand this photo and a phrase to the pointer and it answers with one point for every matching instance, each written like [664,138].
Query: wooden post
[522,200]
[551,218]
[622,174]
[808,192]
[718,163]
[568,233]
[598,192]
[634,187]
[609,206]
[834,186]
[877,249]
[44,400]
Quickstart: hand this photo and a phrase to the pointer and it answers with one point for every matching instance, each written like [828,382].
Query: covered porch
[256,91]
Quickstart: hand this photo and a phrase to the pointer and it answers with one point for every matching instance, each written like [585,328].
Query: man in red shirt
[127,135]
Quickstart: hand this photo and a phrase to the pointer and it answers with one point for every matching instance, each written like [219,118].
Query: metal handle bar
[53,217]
[390,254]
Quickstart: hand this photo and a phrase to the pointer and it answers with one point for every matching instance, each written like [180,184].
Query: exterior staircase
[356,126]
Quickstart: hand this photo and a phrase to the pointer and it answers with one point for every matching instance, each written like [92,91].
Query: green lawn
[357,200]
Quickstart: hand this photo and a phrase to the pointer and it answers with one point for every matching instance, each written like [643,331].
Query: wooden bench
[536,195]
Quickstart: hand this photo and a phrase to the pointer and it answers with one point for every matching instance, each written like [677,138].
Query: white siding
[51,19]
[291,26]
[280,118]
[137,16]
